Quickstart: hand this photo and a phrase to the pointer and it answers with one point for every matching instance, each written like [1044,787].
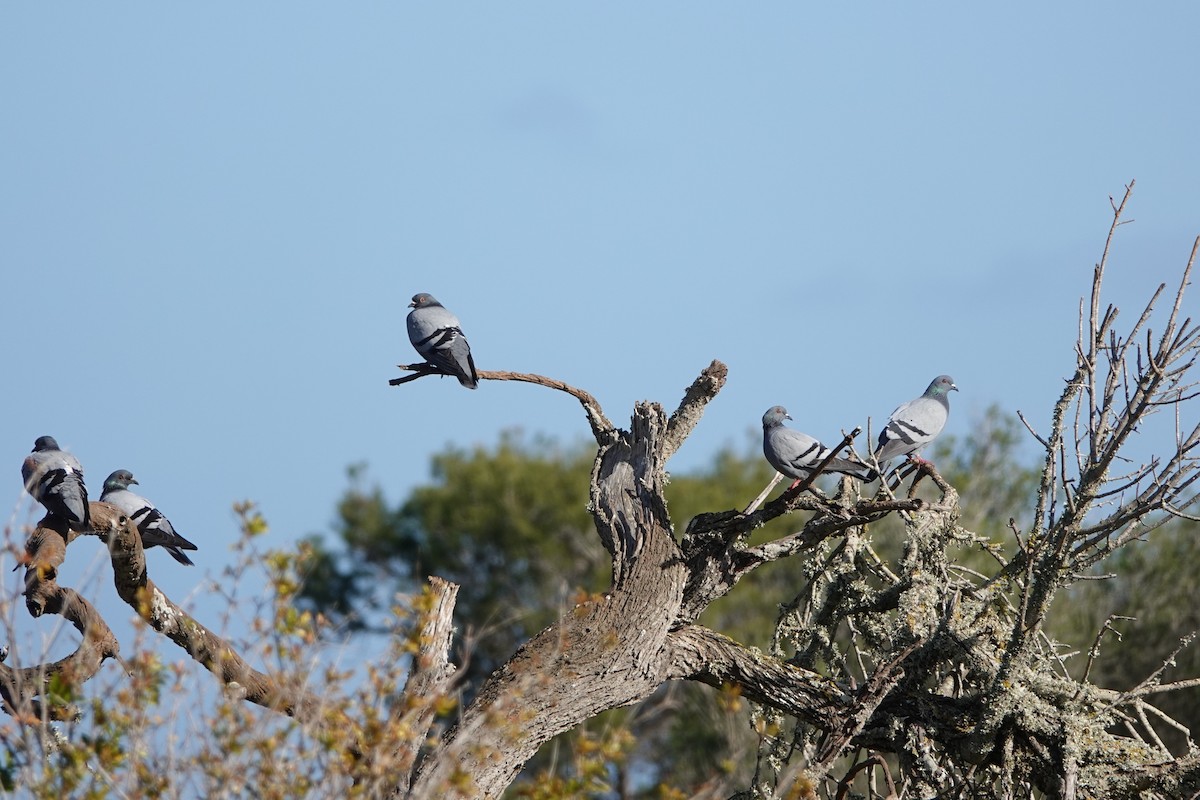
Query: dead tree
[934,679]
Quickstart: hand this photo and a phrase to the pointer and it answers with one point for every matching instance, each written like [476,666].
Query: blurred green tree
[1147,595]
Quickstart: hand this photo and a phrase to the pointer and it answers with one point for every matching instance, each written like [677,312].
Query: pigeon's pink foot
[795,483]
[920,462]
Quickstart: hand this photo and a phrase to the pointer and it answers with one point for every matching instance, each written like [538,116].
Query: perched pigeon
[152,525]
[916,423]
[435,333]
[796,454]
[55,479]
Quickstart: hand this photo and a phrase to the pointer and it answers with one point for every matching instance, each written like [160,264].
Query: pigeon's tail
[178,555]
[851,468]
[73,508]
[183,544]
[456,362]
[63,494]
[468,377]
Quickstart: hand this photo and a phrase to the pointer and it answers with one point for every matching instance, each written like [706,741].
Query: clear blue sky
[213,217]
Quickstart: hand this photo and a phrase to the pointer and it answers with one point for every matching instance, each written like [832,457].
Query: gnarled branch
[21,688]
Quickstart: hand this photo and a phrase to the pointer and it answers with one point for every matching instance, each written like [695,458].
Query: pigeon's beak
[133,480]
[413,304]
[953,388]
[788,416]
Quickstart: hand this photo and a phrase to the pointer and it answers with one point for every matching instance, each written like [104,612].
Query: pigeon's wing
[796,454]
[55,479]
[130,504]
[438,338]
[910,428]
[452,354]
[790,452]
[431,328]
[154,528]
[164,532]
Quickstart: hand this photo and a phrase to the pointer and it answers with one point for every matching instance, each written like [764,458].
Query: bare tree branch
[210,650]
[601,427]
[691,408]
[23,689]
[699,654]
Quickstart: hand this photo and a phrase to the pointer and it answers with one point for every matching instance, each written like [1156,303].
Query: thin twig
[763,495]
[1032,432]
[1095,649]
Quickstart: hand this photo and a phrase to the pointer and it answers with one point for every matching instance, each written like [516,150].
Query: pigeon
[154,528]
[915,424]
[434,332]
[55,479]
[796,454]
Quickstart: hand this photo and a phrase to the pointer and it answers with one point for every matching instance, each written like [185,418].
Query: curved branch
[703,655]
[602,429]
[209,649]
[45,551]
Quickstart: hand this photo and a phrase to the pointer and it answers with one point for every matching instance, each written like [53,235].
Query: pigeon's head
[422,300]
[119,479]
[775,416]
[941,386]
[44,443]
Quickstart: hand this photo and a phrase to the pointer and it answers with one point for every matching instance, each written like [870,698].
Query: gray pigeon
[55,479]
[435,333]
[796,454]
[154,528]
[916,423]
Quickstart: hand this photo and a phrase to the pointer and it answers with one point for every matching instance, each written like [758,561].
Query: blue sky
[213,218]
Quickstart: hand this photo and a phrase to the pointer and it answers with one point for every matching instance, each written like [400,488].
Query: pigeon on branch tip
[55,479]
[915,424]
[436,335]
[797,454]
[155,529]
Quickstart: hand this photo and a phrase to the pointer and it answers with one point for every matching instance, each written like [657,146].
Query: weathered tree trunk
[619,648]
[604,653]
